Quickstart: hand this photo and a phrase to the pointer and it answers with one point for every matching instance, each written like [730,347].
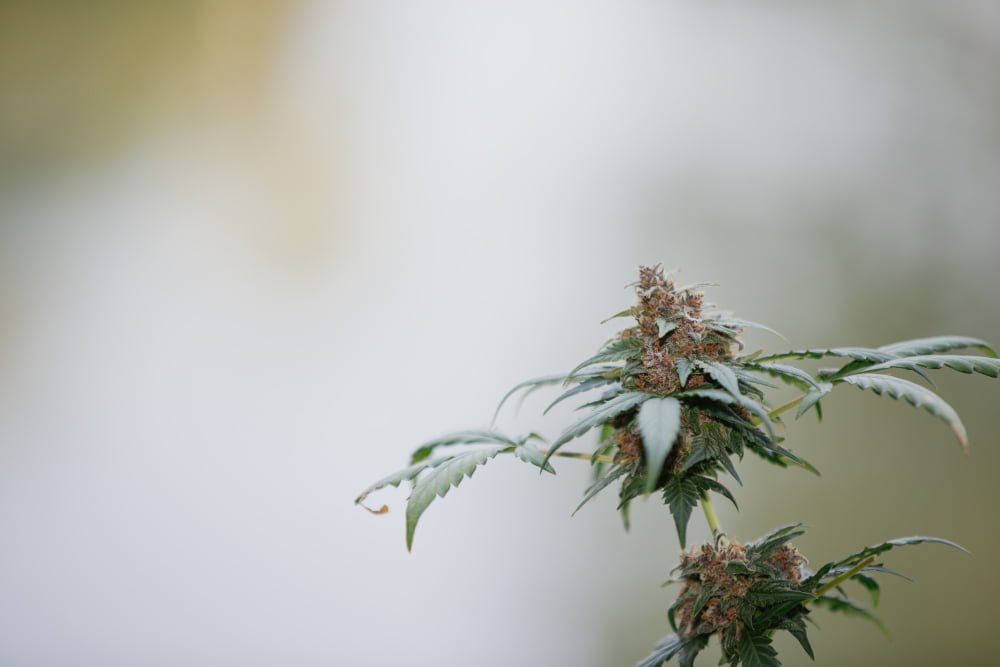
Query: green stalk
[785,407]
[839,579]
[581,455]
[713,521]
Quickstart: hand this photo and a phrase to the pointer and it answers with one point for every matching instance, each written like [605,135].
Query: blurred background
[253,253]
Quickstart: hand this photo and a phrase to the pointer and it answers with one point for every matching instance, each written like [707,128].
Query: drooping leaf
[727,398]
[439,479]
[870,585]
[395,479]
[469,437]
[747,324]
[665,649]
[937,344]
[599,415]
[585,386]
[797,628]
[787,373]
[531,385]
[601,484]
[813,397]
[915,395]
[682,495]
[534,456]
[659,423]
[683,367]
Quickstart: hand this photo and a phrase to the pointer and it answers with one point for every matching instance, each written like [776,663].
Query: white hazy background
[253,253]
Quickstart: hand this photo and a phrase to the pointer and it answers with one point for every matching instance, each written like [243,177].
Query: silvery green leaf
[937,344]
[438,481]
[659,423]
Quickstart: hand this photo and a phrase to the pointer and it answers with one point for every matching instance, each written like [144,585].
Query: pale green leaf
[988,366]
[599,415]
[439,479]
[722,374]
[659,423]
[469,437]
[937,344]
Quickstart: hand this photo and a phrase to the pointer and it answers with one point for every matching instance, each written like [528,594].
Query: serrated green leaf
[681,495]
[797,628]
[469,437]
[582,387]
[616,350]
[935,345]
[755,650]
[787,373]
[963,364]
[659,423]
[915,395]
[534,456]
[665,649]
[722,374]
[613,408]
[856,353]
[709,484]
[439,479]
[395,479]
[870,585]
[727,398]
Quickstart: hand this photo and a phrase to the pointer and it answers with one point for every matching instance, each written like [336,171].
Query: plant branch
[785,407]
[713,521]
[581,455]
[839,579]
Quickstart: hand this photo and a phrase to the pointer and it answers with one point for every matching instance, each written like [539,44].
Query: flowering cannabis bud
[678,404]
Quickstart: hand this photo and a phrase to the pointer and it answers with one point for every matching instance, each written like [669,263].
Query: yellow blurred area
[253,252]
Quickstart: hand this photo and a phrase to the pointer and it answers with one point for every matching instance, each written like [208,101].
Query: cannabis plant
[677,403]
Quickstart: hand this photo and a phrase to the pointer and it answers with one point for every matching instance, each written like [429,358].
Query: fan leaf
[659,423]
[963,364]
[937,344]
[439,480]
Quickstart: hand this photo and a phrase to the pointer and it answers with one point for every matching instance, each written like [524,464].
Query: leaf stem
[713,521]
[582,455]
[785,407]
[839,579]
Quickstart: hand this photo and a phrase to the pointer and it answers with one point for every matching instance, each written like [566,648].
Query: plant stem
[713,521]
[581,455]
[841,578]
[785,407]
